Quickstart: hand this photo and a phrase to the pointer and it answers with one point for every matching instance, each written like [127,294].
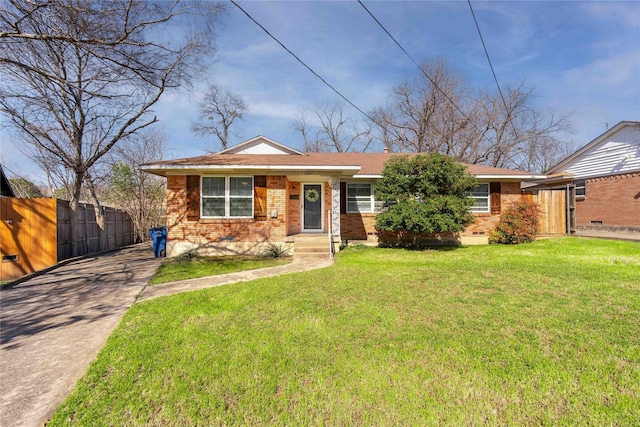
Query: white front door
[312,207]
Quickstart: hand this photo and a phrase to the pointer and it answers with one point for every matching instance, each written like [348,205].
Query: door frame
[322,203]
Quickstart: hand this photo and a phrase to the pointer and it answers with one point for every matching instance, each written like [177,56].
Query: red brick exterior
[284,200]
[215,234]
[361,227]
[485,222]
[355,226]
[293,210]
[611,201]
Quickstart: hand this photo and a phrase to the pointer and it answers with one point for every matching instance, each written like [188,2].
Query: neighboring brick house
[260,192]
[604,179]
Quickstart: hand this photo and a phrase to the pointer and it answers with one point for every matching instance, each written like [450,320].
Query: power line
[304,64]
[419,67]
[495,78]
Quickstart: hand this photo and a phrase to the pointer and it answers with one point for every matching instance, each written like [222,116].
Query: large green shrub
[425,194]
[518,224]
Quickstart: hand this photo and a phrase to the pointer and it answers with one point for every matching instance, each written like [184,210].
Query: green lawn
[172,270]
[538,334]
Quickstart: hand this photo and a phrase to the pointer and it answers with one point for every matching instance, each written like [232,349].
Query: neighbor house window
[480,196]
[359,198]
[227,196]
[581,187]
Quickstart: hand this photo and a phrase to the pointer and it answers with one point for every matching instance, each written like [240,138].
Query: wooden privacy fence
[118,228]
[36,233]
[553,210]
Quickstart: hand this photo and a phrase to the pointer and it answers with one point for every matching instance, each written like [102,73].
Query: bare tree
[335,132]
[138,193]
[518,136]
[81,75]
[418,107]
[441,114]
[310,136]
[217,112]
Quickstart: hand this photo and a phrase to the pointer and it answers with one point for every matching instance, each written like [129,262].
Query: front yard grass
[172,270]
[538,334]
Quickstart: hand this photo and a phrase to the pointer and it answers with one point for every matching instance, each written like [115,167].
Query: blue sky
[579,57]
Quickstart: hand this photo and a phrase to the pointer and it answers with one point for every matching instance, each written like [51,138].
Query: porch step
[310,245]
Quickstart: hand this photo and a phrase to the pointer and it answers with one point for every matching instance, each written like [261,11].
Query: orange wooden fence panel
[27,236]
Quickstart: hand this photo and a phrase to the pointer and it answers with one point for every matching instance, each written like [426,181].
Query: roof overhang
[503,178]
[298,170]
[166,170]
[515,178]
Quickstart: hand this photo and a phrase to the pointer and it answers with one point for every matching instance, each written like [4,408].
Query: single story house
[261,192]
[603,179]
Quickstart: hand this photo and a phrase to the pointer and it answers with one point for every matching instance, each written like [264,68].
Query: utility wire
[495,78]
[304,64]
[419,67]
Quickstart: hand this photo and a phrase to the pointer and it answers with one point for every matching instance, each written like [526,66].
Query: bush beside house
[518,224]
[425,200]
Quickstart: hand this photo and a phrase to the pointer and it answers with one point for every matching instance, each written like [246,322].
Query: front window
[227,197]
[480,196]
[359,198]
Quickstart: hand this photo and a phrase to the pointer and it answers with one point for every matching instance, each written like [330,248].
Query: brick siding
[614,200]
[362,226]
[485,222]
[218,233]
[248,235]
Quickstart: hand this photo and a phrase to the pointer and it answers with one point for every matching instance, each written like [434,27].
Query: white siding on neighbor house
[620,153]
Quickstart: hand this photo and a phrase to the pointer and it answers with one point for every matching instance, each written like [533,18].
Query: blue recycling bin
[159,238]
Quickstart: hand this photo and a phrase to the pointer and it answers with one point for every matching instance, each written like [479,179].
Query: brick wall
[293,210]
[224,235]
[613,200]
[485,222]
[360,227]
[249,235]
[355,226]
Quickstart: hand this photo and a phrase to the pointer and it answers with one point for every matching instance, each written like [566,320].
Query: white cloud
[273,109]
[621,72]
[621,13]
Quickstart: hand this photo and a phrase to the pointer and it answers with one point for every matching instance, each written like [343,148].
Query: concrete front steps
[310,245]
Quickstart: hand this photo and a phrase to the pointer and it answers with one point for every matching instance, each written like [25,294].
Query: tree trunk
[73,204]
[103,244]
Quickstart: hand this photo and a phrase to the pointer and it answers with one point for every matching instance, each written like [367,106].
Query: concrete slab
[52,327]
[296,266]
[612,235]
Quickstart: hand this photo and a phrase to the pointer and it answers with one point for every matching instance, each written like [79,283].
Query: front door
[312,207]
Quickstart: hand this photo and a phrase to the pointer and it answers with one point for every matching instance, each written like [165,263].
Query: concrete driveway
[54,325]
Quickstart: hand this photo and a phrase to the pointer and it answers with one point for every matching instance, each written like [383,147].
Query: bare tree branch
[81,75]
[217,112]
[418,118]
[335,131]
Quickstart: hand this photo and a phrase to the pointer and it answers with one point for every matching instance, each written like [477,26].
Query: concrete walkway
[612,235]
[54,325]
[296,266]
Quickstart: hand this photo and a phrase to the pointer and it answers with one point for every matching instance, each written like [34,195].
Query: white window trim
[227,197]
[481,209]
[371,196]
